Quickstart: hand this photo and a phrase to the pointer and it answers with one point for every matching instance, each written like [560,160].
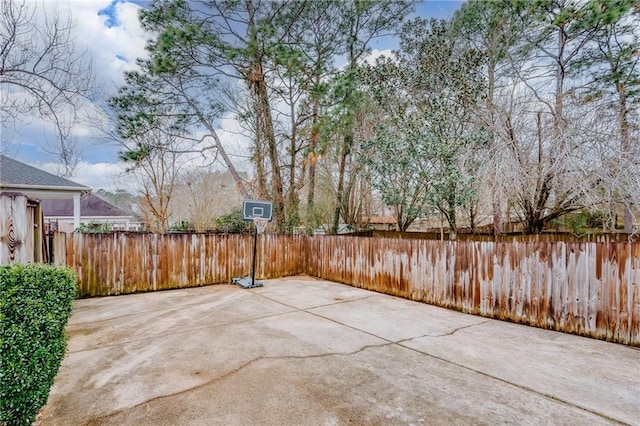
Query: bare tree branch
[41,72]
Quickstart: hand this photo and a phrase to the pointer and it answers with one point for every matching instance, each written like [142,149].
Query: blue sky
[438,9]
[110,31]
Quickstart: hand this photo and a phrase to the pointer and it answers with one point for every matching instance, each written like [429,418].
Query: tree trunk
[496,191]
[277,189]
[258,86]
[293,202]
[453,226]
[345,150]
[497,211]
[473,213]
[261,174]
[560,76]
[625,147]
[258,155]
[315,136]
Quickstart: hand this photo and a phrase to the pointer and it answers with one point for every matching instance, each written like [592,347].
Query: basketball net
[260,224]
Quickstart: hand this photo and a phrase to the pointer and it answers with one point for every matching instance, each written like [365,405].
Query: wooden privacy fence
[121,263]
[590,289]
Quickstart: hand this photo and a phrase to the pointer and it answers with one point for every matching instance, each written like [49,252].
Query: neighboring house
[382,223]
[343,228]
[19,177]
[94,210]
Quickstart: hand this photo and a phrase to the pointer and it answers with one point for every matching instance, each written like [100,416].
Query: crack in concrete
[362,349]
[190,330]
[525,388]
[160,397]
[237,370]
[337,302]
[450,333]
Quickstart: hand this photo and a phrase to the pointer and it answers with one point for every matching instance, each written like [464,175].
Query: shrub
[182,226]
[232,223]
[35,304]
[95,228]
[581,223]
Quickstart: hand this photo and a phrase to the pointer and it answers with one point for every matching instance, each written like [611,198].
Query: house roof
[21,177]
[90,206]
[382,220]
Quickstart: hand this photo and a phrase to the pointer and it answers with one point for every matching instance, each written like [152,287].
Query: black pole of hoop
[255,251]
[250,281]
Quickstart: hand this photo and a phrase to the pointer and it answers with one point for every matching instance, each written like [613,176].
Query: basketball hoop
[260,212]
[260,224]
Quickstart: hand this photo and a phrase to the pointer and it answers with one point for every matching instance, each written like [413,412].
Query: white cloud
[109,176]
[109,36]
[375,54]
[233,137]
[114,48]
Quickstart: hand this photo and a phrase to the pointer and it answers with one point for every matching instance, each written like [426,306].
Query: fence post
[15,244]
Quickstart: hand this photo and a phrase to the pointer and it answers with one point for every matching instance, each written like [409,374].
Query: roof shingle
[13,172]
[90,206]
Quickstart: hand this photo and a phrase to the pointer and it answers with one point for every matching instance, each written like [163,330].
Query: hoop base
[246,282]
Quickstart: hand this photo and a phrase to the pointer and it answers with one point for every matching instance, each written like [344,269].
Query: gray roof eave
[46,192]
[12,186]
[89,217]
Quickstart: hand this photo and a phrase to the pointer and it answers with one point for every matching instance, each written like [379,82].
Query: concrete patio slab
[305,351]
[551,363]
[395,320]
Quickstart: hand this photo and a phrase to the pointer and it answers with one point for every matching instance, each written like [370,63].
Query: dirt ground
[305,351]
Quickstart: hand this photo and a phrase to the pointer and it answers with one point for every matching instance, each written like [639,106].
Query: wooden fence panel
[585,288]
[634,295]
[121,263]
[278,256]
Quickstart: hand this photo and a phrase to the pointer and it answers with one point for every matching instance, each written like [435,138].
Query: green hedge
[232,223]
[35,304]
